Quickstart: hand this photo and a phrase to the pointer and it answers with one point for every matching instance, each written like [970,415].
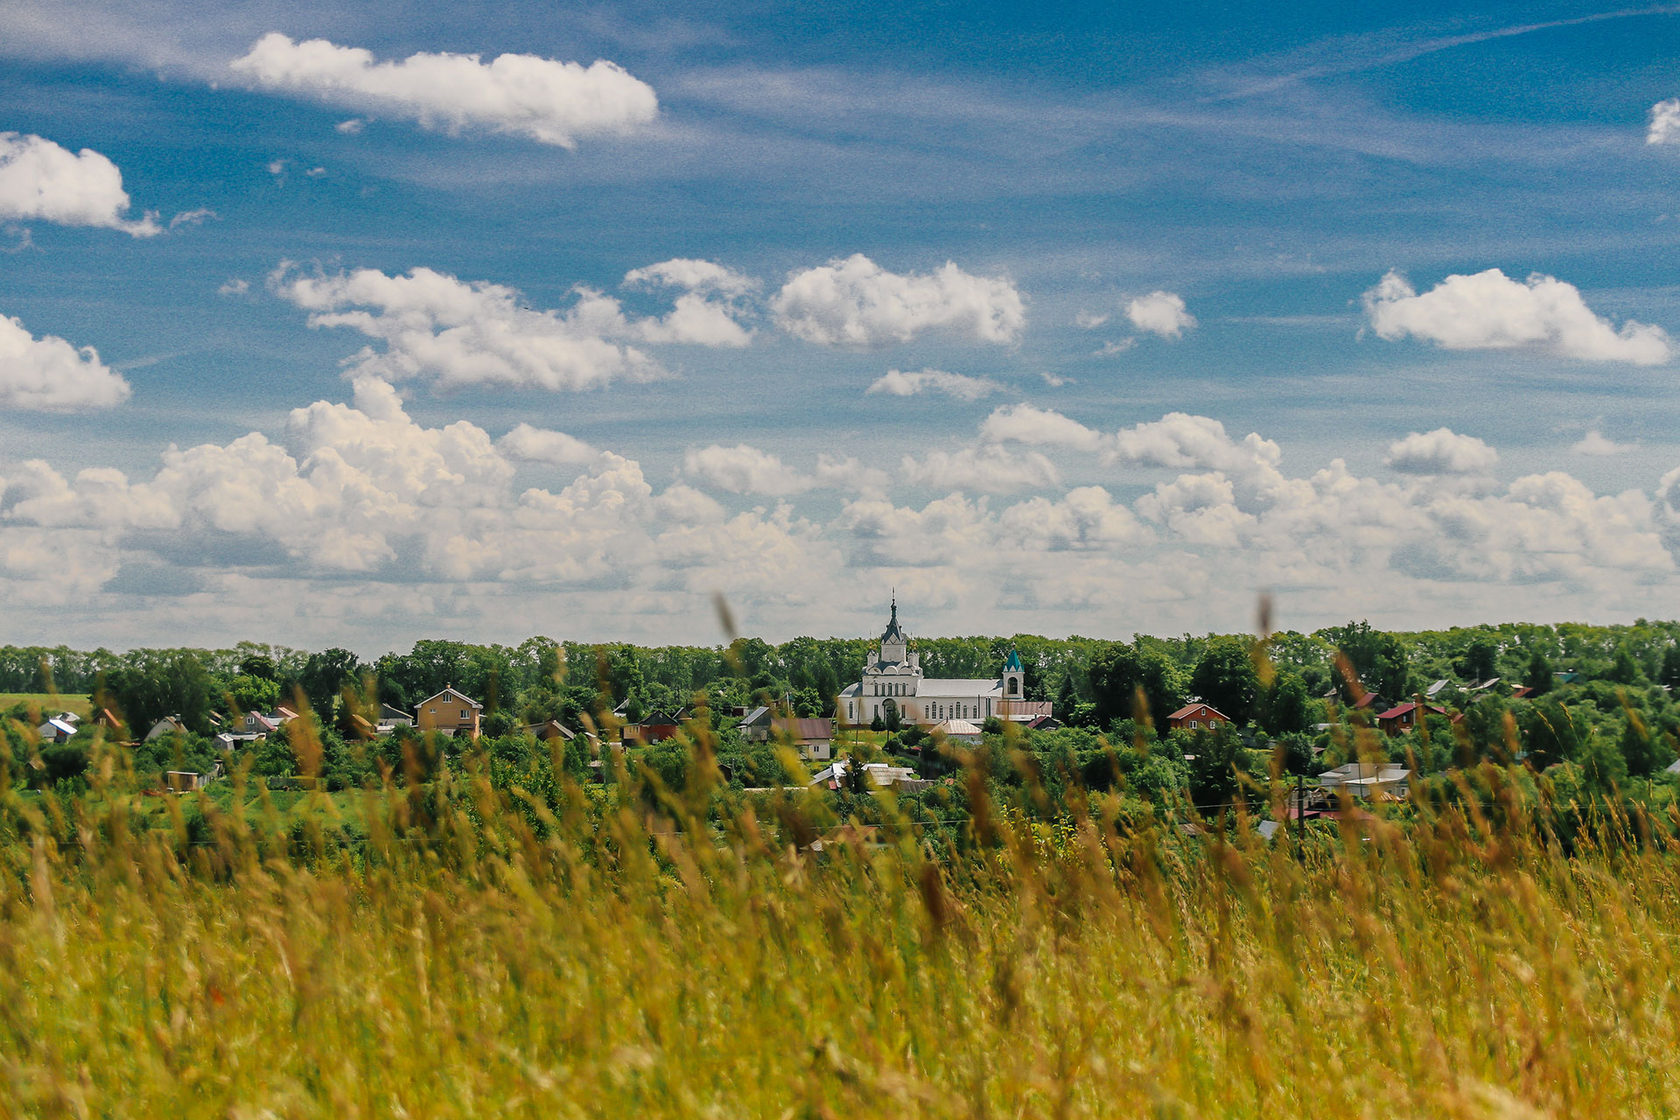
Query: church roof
[894,632]
[1012,663]
[958,688]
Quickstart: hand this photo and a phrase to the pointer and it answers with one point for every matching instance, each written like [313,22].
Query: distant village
[887,724]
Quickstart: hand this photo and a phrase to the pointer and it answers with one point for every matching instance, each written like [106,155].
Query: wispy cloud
[898,384]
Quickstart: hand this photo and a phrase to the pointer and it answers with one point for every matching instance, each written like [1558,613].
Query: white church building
[893,683]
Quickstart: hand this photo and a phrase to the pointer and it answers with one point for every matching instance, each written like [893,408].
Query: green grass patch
[48,703]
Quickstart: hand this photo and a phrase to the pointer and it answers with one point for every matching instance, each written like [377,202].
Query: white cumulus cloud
[743,469]
[1491,311]
[540,445]
[1596,443]
[707,313]
[1182,441]
[519,94]
[899,384]
[478,333]
[41,181]
[48,374]
[1665,123]
[1442,451]
[856,303]
[1041,427]
[692,274]
[1161,313]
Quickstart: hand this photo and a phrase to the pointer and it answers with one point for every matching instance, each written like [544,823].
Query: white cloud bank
[40,181]
[1160,313]
[361,516]
[518,94]
[896,383]
[1441,451]
[48,374]
[1491,311]
[856,303]
[1664,125]
[463,333]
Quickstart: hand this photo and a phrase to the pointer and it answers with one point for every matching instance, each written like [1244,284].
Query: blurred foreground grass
[459,949]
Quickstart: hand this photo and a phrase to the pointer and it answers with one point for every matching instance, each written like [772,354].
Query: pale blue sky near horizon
[1267,167]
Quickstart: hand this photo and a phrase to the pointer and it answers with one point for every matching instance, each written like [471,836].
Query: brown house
[1197,716]
[656,728]
[451,711]
[1403,717]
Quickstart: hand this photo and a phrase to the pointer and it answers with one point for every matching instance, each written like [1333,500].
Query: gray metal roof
[957,687]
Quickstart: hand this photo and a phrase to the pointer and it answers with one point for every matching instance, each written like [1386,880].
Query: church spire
[894,632]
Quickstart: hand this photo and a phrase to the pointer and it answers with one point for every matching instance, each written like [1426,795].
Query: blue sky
[423,346]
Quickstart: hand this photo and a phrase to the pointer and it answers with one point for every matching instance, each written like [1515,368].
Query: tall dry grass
[471,951]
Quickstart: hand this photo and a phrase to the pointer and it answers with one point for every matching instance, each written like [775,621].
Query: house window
[1212,723]
[463,713]
[1195,725]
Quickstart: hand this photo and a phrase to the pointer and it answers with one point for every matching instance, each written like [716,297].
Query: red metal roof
[1191,709]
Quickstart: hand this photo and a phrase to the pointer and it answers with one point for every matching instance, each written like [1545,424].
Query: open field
[48,703]
[464,949]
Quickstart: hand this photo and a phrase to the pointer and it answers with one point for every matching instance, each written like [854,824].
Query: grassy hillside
[464,950]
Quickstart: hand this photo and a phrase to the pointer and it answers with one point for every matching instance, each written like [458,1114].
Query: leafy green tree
[826,684]
[1377,657]
[253,694]
[1539,674]
[63,761]
[326,674]
[1117,671]
[261,666]
[1643,750]
[158,683]
[1285,708]
[1066,698]
[855,780]
[1214,758]
[1480,660]
[1551,733]
[1670,673]
[1624,667]
[1604,771]
[273,757]
[1226,678]
[1297,754]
